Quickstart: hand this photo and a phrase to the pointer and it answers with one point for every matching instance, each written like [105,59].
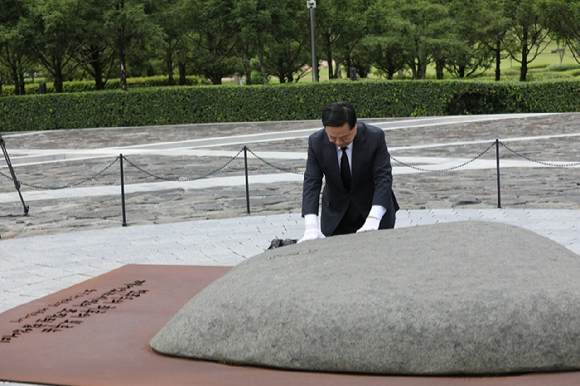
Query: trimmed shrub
[563,67]
[207,104]
[112,84]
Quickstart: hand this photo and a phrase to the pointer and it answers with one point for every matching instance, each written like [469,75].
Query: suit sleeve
[382,173]
[312,181]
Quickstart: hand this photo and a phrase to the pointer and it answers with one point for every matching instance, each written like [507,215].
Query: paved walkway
[63,251]
[37,266]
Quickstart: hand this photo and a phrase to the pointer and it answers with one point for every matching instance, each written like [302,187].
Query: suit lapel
[359,152]
[331,158]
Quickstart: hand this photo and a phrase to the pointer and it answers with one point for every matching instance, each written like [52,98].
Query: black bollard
[123,192]
[247,181]
[497,163]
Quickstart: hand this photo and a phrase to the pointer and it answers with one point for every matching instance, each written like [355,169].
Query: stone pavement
[74,233]
[184,154]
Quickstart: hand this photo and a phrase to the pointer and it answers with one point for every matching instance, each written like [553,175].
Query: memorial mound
[473,298]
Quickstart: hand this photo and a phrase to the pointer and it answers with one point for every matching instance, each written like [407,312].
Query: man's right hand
[312,229]
[312,234]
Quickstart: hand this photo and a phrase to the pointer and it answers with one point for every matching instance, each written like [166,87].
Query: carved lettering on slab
[53,318]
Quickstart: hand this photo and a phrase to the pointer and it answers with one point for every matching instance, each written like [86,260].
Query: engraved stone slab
[456,298]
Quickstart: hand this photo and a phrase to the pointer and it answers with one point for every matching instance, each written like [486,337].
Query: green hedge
[563,67]
[112,84]
[206,104]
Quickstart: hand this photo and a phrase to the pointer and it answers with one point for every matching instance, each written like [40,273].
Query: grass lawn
[538,69]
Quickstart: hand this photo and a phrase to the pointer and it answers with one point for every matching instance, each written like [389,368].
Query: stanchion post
[247,181]
[14,179]
[123,192]
[497,165]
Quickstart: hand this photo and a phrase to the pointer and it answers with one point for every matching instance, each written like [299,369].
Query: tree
[55,35]
[254,19]
[277,32]
[348,51]
[563,18]
[494,34]
[425,28]
[127,28]
[384,46]
[170,16]
[471,21]
[340,26]
[97,56]
[214,35]
[527,32]
[13,52]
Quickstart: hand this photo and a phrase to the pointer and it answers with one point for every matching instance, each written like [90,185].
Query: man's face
[341,136]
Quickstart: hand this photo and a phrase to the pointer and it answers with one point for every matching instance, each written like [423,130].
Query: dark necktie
[345,169]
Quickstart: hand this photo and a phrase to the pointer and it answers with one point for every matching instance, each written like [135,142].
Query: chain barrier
[444,170]
[180,179]
[65,186]
[286,170]
[274,166]
[8,177]
[538,162]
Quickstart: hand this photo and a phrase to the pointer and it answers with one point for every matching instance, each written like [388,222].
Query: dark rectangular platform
[98,333]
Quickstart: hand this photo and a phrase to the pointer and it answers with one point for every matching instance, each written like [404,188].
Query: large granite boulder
[455,298]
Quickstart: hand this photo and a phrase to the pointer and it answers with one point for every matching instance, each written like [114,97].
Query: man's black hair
[337,114]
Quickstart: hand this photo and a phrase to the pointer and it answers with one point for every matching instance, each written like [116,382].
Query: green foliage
[563,18]
[112,84]
[183,105]
[562,67]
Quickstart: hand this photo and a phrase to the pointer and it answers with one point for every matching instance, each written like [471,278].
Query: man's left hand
[371,224]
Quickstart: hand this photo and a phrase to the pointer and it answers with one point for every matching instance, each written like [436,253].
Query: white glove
[311,234]
[312,230]
[373,219]
[371,224]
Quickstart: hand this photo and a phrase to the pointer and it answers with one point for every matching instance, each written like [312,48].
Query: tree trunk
[338,71]
[182,73]
[97,69]
[328,57]
[498,61]
[524,70]
[123,83]
[413,66]
[122,46]
[215,76]
[58,77]
[247,69]
[262,68]
[21,83]
[422,69]
[170,80]
[439,66]
[16,81]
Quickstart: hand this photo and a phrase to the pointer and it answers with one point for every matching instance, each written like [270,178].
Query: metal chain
[4,175]
[182,180]
[448,169]
[274,166]
[538,162]
[277,168]
[69,185]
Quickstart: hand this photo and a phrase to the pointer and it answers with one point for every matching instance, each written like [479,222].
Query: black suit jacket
[371,178]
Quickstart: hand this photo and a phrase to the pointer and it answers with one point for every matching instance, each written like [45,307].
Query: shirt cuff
[310,220]
[377,211]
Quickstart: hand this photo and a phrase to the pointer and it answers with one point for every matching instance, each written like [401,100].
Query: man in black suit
[354,159]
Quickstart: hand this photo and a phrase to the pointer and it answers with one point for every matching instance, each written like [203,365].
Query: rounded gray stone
[457,298]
